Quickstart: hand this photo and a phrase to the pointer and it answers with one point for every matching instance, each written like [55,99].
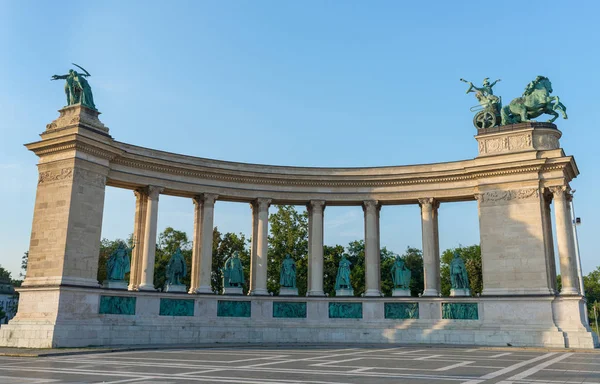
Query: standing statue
[488,113]
[287,274]
[118,263]
[342,281]
[77,88]
[176,268]
[233,272]
[400,274]
[459,279]
[484,94]
[536,101]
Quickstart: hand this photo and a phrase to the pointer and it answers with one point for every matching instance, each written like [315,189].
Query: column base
[316,293]
[569,291]
[372,293]
[204,289]
[146,287]
[259,292]
[431,293]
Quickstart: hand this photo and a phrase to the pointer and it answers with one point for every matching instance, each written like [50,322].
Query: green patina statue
[400,274]
[287,274]
[233,272]
[459,279]
[176,268]
[342,281]
[118,263]
[77,88]
[536,101]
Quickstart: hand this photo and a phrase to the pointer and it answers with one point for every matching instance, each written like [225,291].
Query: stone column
[147,275]
[564,241]
[372,256]
[260,233]
[315,247]
[431,257]
[548,241]
[204,212]
[139,225]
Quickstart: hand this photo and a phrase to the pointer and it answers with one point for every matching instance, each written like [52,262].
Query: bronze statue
[77,88]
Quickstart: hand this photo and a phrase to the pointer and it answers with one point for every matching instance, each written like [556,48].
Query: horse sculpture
[536,101]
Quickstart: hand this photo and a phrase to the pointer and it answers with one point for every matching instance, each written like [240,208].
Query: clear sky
[308,83]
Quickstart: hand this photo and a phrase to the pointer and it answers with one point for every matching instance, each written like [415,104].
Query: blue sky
[308,83]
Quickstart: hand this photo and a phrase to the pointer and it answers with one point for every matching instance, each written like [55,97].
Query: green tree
[591,285]
[331,258]
[288,235]
[223,247]
[4,274]
[356,255]
[2,313]
[24,260]
[471,255]
[168,242]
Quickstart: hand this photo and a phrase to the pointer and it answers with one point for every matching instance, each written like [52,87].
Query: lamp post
[575,222]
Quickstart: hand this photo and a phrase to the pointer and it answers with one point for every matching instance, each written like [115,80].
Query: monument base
[115,284]
[460,292]
[401,292]
[232,291]
[287,291]
[175,288]
[344,292]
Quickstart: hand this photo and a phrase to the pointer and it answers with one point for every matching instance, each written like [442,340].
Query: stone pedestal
[460,292]
[232,291]
[344,292]
[114,284]
[287,291]
[175,288]
[518,138]
[401,292]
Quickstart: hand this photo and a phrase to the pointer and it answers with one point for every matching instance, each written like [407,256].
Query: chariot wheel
[484,119]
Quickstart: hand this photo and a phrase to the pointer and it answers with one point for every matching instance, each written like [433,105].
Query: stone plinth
[175,288]
[287,291]
[460,292]
[397,292]
[344,292]
[232,291]
[77,116]
[518,138]
[115,284]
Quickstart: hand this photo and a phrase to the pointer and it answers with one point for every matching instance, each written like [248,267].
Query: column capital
[560,192]
[316,205]
[262,204]
[370,205]
[154,192]
[428,203]
[208,198]
[140,192]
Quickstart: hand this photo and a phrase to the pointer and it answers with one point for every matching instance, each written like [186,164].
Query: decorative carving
[226,308]
[370,205]
[154,192]
[117,305]
[89,177]
[289,309]
[460,311]
[494,196]
[559,192]
[343,310]
[53,176]
[176,307]
[78,115]
[401,310]
[316,206]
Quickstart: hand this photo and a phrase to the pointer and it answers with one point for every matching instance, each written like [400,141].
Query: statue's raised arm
[77,89]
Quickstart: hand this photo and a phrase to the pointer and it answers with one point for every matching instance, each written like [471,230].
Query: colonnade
[145,231]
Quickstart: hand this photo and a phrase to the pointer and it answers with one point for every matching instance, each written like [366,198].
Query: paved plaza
[310,365]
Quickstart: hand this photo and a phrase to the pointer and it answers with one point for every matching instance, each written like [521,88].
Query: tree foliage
[471,255]
[288,235]
[591,284]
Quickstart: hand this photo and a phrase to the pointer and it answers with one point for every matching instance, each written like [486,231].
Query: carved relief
[519,142]
[74,115]
[89,177]
[55,175]
[519,194]
[505,144]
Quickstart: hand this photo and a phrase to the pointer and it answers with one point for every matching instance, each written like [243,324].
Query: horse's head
[541,83]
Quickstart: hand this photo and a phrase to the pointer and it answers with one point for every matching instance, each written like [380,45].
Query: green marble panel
[176,307]
[289,309]
[460,311]
[117,305]
[342,310]
[228,308]
[401,310]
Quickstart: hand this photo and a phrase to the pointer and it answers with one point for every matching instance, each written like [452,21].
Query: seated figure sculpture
[342,280]
[459,279]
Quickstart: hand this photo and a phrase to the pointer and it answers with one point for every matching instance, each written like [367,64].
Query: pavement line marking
[539,367]
[501,354]
[449,367]
[126,380]
[427,357]
[335,362]
[509,369]
[472,350]
[407,352]
[359,370]
[204,371]
[261,358]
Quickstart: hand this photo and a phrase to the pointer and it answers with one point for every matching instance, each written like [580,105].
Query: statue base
[175,288]
[287,291]
[77,115]
[344,292]
[460,292]
[232,291]
[115,284]
[401,292]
